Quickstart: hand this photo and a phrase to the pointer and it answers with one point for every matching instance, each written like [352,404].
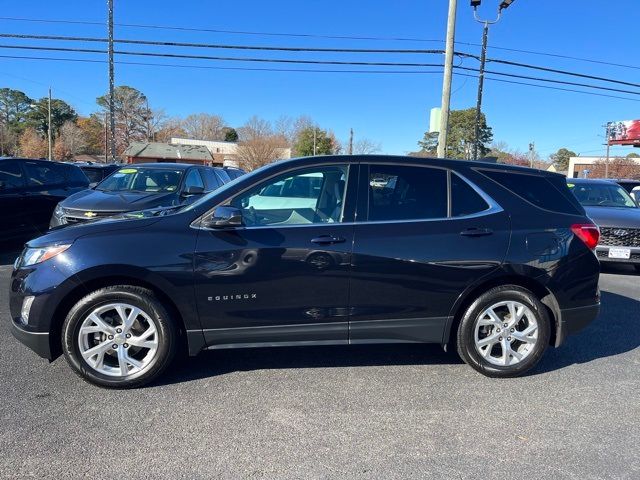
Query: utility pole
[483,59]
[49,127]
[606,163]
[351,142]
[532,147]
[106,138]
[446,81]
[315,129]
[111,85]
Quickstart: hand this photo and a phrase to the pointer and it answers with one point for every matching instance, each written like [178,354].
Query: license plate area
[620,253]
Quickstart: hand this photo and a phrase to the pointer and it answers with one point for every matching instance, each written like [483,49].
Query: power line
[318,62]
[302,70]
[303,49]
[318,36]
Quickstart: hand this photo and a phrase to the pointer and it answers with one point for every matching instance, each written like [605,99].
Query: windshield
[142,179]
[601,195]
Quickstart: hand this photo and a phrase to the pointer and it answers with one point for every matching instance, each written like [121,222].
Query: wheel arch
[473,292]
[91,281]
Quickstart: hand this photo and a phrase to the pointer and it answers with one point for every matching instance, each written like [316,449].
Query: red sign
[624,133]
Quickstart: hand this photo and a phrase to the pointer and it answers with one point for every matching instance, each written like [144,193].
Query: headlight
[59,211]
[31,256]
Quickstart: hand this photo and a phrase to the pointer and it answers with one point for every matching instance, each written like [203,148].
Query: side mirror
[192,190]
[224,217]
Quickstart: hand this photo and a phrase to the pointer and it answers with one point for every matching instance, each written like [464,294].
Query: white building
[578,165]
[224,153]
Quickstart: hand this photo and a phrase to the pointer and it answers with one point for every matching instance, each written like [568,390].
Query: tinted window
[10,175]
[193,179]
[407,193]
[93,174]
[536,189]
[44,173]
[222,175]
[211,179]
[601,194]
[77,176]
[464,199]
[309,196]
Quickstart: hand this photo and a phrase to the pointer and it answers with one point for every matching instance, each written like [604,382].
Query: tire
[113,317]
[480,340]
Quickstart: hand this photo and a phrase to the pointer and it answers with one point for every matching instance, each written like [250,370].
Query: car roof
[603,181]
[435,162]
[171,165]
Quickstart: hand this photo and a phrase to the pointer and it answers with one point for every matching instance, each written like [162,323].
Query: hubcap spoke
[116,350]
[504,323]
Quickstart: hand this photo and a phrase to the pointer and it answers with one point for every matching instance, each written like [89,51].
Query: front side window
[398,192]
[309,196]
[142,179]
[41,174]
[10,175]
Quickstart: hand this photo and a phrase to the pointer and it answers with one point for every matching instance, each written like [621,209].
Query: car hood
[614,216]
[100,201]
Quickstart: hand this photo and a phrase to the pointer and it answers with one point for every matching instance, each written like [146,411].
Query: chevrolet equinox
[494,261]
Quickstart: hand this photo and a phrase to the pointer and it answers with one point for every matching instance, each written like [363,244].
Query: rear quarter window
[542,191]
[75,175]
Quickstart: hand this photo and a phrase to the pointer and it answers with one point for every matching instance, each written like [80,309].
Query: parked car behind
[618,216]
[492,260]
[234,172]
[96,172]
[29,192]
[139,187]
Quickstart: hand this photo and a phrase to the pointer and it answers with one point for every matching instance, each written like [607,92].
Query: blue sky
[392,109]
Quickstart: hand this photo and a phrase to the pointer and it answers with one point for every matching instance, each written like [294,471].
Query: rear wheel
[119,337]
[504,332]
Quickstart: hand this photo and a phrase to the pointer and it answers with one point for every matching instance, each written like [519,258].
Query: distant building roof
[167,151]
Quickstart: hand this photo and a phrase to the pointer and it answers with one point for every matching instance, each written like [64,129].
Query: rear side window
[538,190]
[211,179]
[77,176]
[10,176]
[464,199]
[44,173]
[223,175]
[398,192]
[193,179]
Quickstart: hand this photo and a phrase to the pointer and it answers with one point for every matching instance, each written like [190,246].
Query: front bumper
[602,252]
[36,341]
[572,320]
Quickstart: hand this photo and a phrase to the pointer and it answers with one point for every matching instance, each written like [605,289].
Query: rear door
[46,186]
[12,191]
[427,234]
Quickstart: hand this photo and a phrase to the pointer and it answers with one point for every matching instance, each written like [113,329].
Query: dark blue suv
[494,261]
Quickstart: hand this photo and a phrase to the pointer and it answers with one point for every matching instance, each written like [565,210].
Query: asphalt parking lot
[398,411]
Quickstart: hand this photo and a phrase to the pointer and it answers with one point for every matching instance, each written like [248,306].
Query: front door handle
[476,232]
[327,240]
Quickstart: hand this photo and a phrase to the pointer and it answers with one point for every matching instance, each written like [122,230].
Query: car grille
[619,237]
[73,215]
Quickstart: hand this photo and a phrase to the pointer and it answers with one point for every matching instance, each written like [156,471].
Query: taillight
[588,233]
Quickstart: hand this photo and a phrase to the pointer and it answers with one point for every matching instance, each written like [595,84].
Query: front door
[428,236]
[283,277]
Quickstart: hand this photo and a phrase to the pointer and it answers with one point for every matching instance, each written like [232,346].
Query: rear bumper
[36,341]
[573,320]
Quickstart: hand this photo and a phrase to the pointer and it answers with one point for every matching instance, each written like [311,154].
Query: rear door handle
[327,240]
[476,232]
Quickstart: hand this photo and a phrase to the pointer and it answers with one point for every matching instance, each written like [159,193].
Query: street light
[483,58]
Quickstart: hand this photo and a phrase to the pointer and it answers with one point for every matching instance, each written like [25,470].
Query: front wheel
[504,332]
[119,337]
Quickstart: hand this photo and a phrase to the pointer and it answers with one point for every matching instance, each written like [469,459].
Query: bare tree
[259,144]
[203,126]
[70,142]
[32,144]
[365,146]
[170,127]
